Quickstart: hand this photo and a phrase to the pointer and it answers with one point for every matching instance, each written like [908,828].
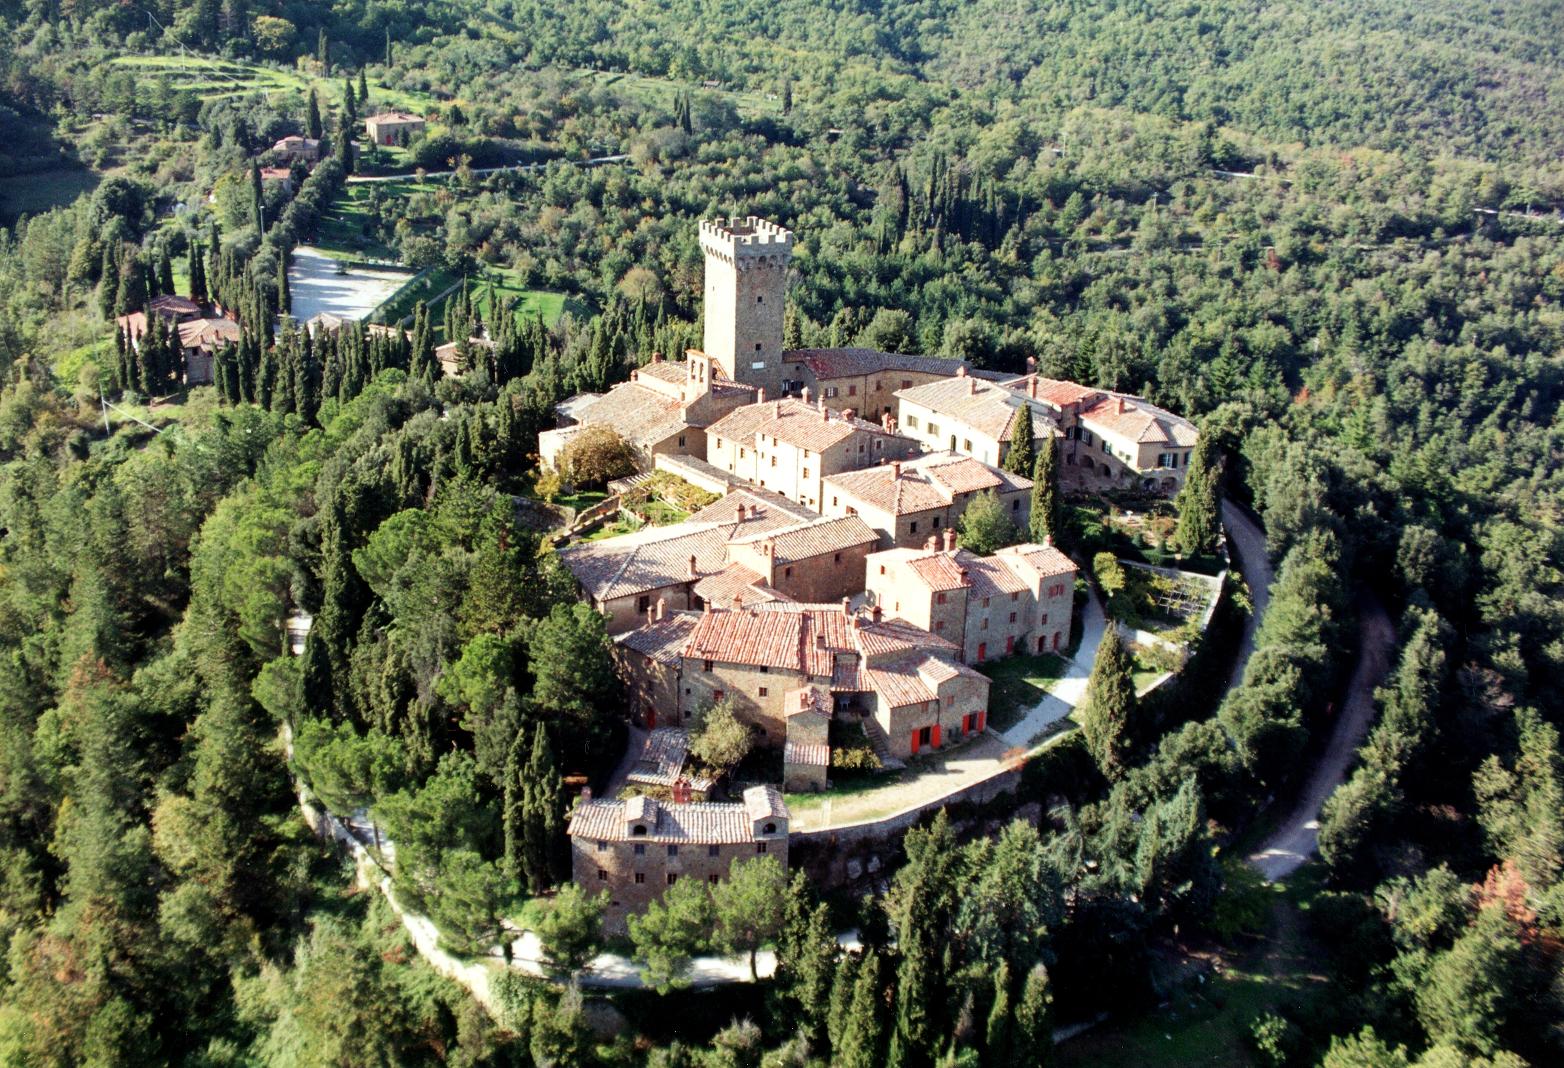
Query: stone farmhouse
[786,665]
[393,127]
[1018,600]
[751,546]
[790,446]
[664,409]
[297,147]
[638,847]
[1108,437]
[200,335]
[906,501]
[863,379]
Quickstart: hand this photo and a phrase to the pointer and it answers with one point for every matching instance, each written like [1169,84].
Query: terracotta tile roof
[808,639]
[848,362]
[817,756]
[806,699]
[1053,391]
[735,586]
[207,333]
[764,802]
[1134,419]
[658,557]
[663,640]
[809,540]
[173,305]
[1045,560]
[805,426]
[983,406]
[990,577]
[662,758]
[757,503]
[890,638]
[394,116]
[925,484]
[939,571]
[748,636]
[914,679]
[698,822]
[642,416]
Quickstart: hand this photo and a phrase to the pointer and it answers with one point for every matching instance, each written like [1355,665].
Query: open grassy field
[225,77]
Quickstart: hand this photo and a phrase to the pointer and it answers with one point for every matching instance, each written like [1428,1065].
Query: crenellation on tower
[746,287]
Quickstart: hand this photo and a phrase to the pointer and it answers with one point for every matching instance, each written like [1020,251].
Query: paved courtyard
[318,284]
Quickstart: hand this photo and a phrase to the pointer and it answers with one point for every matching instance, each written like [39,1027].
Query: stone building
[393,127]
[906,683]
[968,416]
[907,501]
[663,409]
[745,291]
[865,380]
[789,446]
[648,660]
[297,147]
[636,848]
[1018,600]
[750,546]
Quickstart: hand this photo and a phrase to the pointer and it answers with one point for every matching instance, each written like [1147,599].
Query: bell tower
[746,284]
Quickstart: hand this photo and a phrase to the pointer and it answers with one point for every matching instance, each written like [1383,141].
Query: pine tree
[1110,703]
[312,121]
[1021,457]
[1045,493]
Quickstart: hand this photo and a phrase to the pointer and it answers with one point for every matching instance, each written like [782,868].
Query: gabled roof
[207,333]
[697,822]
[813,538]
[805,638]
[1045,560]
[806,426]
[983,406]
[1053,391]
[924,484]
[849,362]
[735,586]
[642,416]
[661,640]
[915,679]
[1141,422]
[393,116]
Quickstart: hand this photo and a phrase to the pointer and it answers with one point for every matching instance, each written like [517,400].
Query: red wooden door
[914,741]
[982,651]
[936,736]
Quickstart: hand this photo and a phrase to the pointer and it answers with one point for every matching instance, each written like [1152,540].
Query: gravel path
[1295,840]
[1246,545]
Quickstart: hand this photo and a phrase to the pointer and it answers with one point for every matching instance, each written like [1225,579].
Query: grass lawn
[657,513]
[1019,682]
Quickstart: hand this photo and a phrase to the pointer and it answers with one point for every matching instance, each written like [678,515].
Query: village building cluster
[825,591]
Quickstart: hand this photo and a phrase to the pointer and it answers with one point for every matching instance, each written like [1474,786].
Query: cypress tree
[839,1014]
[349,101]
[865,1027]
[1199,501]
[345,145]
[1045,493]
[1021,457]
[1033,1031]
[996,1038]
[544,814]
[165,274]
[108,280]
[787,98]
[198,291]
[256,203]
[322,53]
[363,90]
[132,292]
[284,296]
[514,812]
[388,48]
[312,118]
[1110,703]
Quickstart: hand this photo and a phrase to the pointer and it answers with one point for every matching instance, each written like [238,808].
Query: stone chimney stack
[876,613]
[825,414]
[760,395]
[662,608]
[849,414]
[657,357]
[1031,365]
[1124,405]
[966,579]
[820,402]
[690,571]
[895,470]
[961,370]
[1048,541]
[586,793]
[971,387]
[847,606]
[805,394]
[932,544]
[950,539]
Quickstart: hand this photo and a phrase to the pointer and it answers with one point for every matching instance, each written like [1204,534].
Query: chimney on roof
[1031,365]
[1031,386]
[760,395]
[847,606]
[961,370]
[662,608]
[932,545]
[635,376]
[769,547]
[848,414]
[875,613]
[776,409]
[821,402]
[825,414]
[805,394]
[586,793]
[740,514]
[657,357]
[950,539]
[690,572]
[1048,541]
[966,579]
[895,470]
[1124,405]
[971,387]
[819,641]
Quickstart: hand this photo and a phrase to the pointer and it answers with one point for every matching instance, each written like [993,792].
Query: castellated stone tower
[746,283]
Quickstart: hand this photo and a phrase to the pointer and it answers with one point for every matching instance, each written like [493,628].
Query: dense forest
[1329,233]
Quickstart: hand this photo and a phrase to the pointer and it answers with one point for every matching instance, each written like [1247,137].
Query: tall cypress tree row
[1110,703]
[198,291]
[1044,519]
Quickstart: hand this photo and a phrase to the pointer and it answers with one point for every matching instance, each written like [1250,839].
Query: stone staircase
[880,743]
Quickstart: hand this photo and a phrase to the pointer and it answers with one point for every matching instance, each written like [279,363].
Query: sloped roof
[698,822]
[640,415]
[806,426]
[207,333]
[914,679]
[985,407]
[735,586]
[814,538]
[848,362]
[1046,560]
[661,640]
[924,484]
[1141,422]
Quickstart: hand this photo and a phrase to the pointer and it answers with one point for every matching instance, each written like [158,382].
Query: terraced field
[211,78]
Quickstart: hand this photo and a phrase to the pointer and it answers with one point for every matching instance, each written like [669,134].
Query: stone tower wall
[746,286]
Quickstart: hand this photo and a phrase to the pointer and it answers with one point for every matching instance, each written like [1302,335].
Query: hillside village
[823,594]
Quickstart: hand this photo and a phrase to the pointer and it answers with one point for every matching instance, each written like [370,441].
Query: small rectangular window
[760,847]
[602,846]
[939,598]
[852,391]
[764,692]
[672,878]
[838,558]
[713,851]
[914,528]
[602,876]
[706,666]
[673,850]
[1012,617]
[640,849]
[640,877]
